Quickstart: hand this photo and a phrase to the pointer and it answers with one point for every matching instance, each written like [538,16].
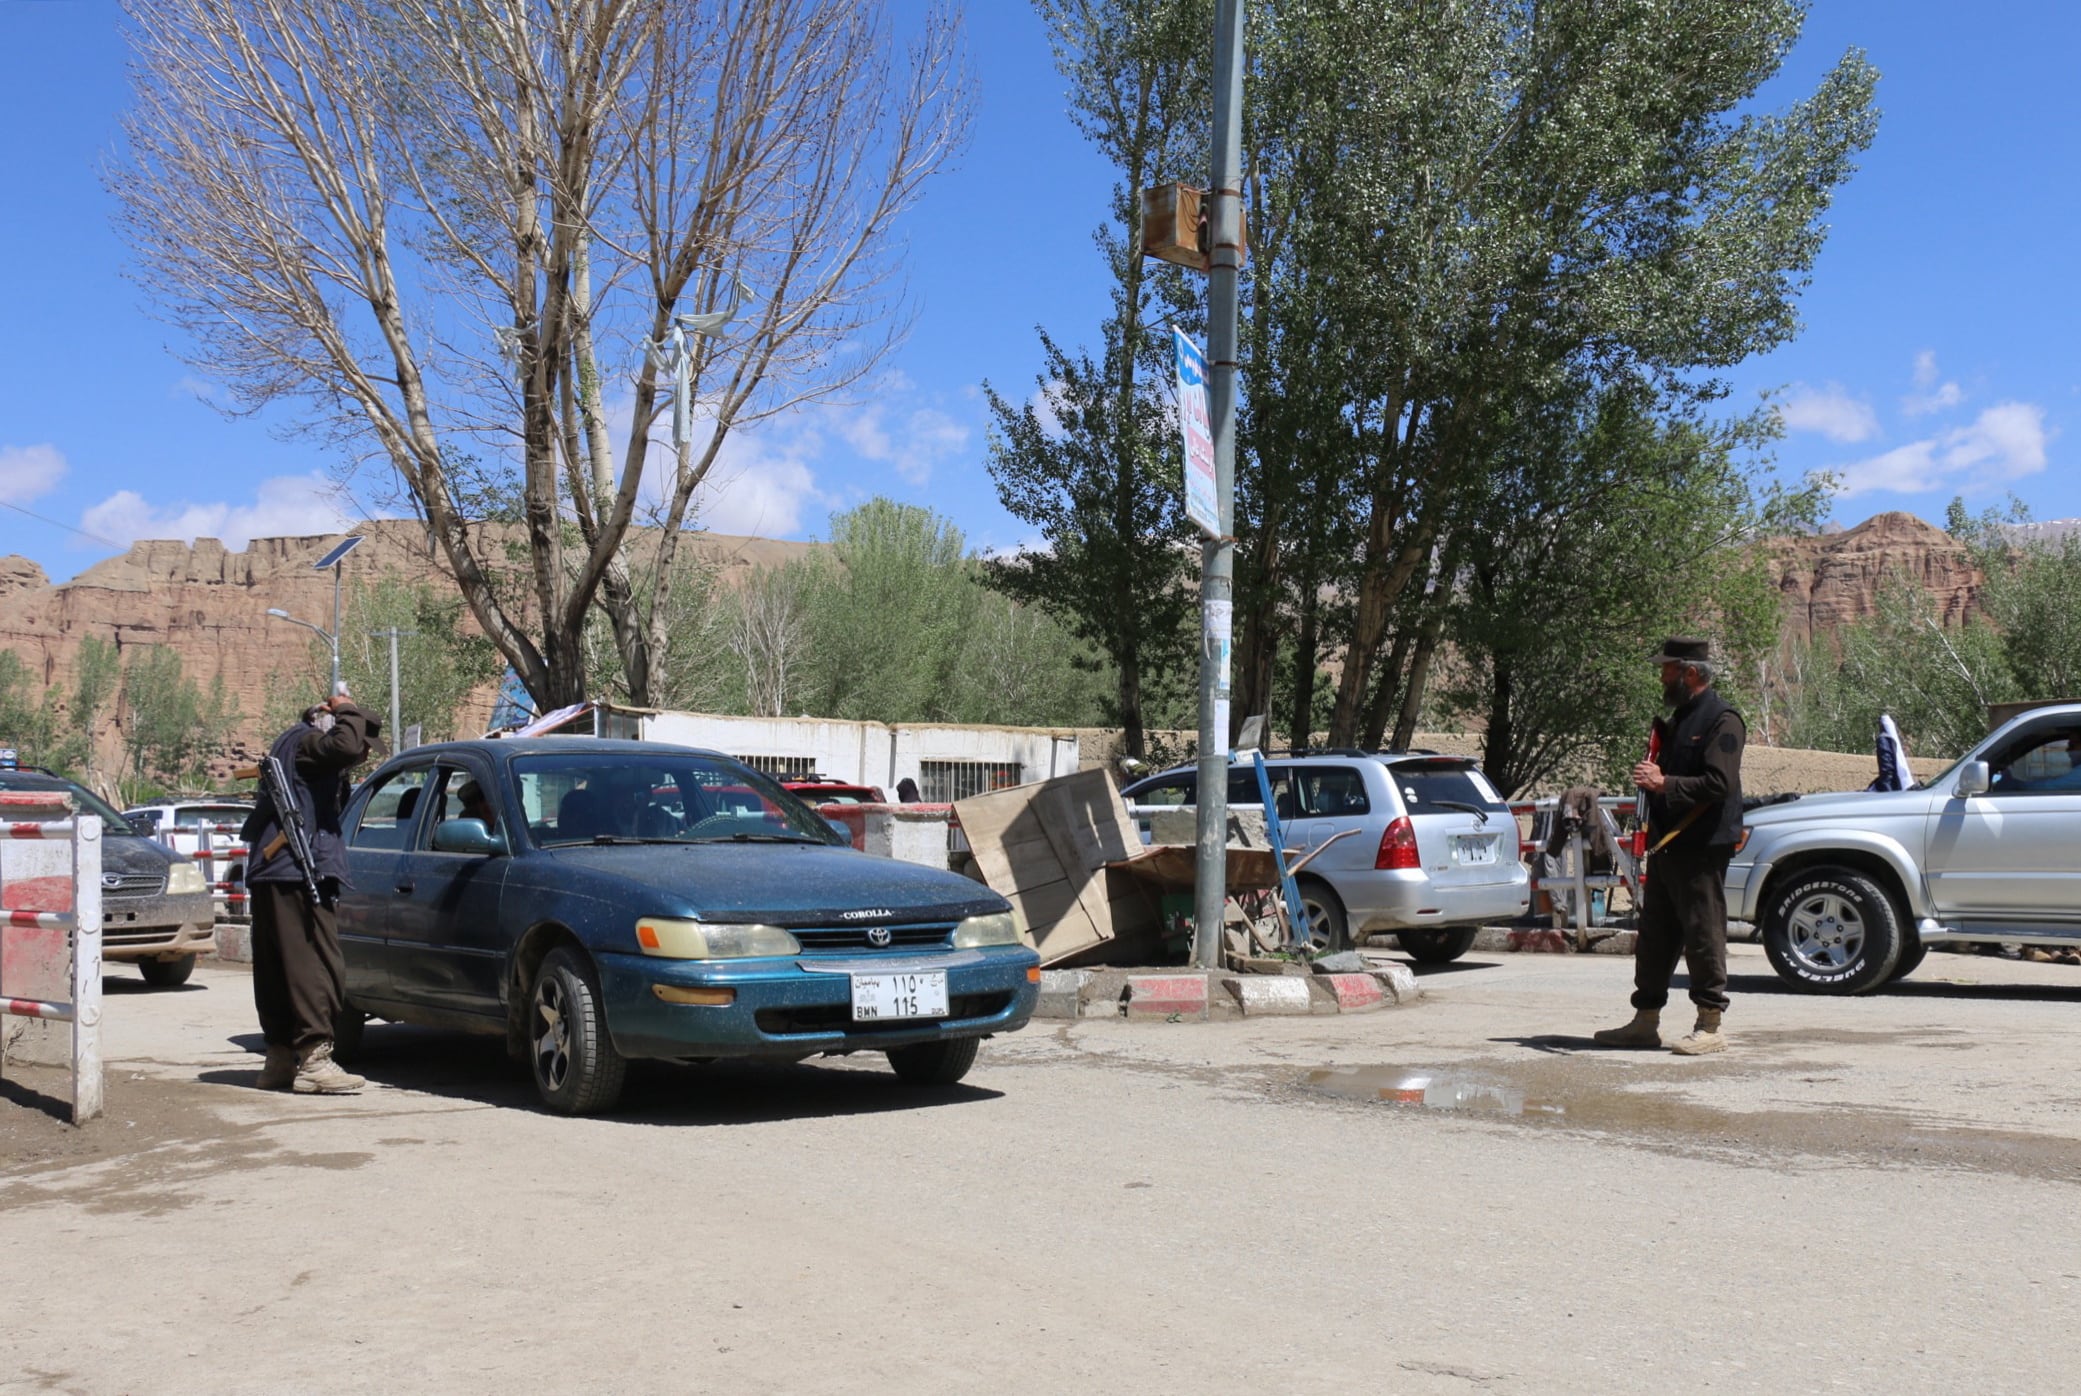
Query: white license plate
[877,997]
[1476,849]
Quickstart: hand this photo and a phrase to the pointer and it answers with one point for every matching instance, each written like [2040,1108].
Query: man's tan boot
[280,1071]
[318,1074]
[1704,1038]
[1645,1031]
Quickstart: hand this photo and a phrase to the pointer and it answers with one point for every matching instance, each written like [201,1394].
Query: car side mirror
[1973,779]
[841,830]
[467,836]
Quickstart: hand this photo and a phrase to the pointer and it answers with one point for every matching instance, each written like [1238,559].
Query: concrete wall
[870,753]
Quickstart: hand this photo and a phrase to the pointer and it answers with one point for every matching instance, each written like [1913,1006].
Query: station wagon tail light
[998,928]
[701,940]
[1398,846]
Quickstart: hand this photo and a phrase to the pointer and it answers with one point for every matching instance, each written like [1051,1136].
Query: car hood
[782,884]
[128,853]
[1837,808]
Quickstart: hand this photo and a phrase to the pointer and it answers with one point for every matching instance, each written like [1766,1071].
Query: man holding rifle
[294,868]
[1692,782]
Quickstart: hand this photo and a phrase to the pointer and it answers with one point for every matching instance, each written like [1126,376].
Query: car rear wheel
[1439,947]
[576,1069]
[166,974]
[1830,930]
[935,1063]
[1329,930]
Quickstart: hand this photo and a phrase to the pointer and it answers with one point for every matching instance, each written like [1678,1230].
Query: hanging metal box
[1172,227]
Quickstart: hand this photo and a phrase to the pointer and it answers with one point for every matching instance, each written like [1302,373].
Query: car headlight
[998,928]
[185,877]
[1743,841]
[700,940]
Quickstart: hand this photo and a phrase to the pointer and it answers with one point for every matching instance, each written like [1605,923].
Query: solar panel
[339,550]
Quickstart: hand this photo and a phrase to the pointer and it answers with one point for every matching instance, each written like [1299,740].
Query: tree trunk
[1386,689]
[1301,723]
[1419,673]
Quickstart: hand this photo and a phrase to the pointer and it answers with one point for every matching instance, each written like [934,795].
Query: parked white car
[205,830]
[1433,852]
[1851,890]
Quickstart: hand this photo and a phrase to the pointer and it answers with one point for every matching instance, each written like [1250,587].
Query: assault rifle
[274,785]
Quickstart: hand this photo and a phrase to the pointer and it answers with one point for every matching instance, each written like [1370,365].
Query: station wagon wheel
[575,1066]
[1833,930]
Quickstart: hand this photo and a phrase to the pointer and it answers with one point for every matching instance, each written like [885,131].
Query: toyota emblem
[879,936]
[111,880]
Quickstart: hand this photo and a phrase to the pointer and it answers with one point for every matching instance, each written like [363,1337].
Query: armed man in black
[299,979]
[1693,788]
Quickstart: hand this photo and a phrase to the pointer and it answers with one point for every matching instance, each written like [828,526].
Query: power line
[40,518]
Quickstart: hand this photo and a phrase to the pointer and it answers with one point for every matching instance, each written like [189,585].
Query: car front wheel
[935,1063]
[576,1069]
[166,974]
[1831,930]
[1439,947]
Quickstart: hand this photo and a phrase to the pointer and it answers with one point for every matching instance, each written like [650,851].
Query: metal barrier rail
[229,892]
[62,955]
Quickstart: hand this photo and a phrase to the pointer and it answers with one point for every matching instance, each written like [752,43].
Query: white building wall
[869,753]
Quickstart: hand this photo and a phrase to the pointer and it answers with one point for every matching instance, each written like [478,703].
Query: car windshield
[89,802]
[673,797]
[1445,787]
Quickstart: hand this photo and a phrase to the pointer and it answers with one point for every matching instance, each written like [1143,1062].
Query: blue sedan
[595,901]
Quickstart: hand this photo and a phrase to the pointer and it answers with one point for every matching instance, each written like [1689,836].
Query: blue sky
[1939,355]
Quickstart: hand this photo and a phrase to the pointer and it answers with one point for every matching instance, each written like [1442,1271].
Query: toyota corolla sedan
[596,901]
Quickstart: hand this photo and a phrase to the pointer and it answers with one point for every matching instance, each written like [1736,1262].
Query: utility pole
[1217,555]
[334,559]
[397,733]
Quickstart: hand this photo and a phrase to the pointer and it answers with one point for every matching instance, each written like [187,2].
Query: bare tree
[459,231]
[770,634]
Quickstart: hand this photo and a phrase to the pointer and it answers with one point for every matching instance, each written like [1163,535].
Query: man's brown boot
[1704,1038]
[280,1071]
[1645,1031]
[318,1074]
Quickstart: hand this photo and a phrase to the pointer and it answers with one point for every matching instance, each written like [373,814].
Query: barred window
[783,767]
[943,782]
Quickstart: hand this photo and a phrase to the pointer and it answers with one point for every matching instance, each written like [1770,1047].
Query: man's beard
[1674,693]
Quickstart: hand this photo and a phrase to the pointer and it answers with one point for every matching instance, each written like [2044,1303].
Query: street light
[332,641]
[333,560]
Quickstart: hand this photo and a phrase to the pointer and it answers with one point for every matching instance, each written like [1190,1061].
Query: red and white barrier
[222,855]
[50,934]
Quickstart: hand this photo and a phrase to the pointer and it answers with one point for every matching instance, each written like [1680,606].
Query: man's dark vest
[1683,754]
[322,795]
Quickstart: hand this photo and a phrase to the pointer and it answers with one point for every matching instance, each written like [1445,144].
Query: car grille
[134,885]
[113,938]
[855,937]
[838,1017]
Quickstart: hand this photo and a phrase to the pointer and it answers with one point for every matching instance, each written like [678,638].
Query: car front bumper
[1744,888]
[158,927]
[1377,903]
[787,1007]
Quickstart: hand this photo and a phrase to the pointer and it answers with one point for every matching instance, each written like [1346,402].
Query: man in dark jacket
[299,978]
[1693,789]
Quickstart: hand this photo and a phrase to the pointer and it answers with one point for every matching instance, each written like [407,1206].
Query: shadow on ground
[1919,988]
[460,1066]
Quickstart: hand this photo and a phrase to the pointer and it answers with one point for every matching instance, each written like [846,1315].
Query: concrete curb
[1198,996]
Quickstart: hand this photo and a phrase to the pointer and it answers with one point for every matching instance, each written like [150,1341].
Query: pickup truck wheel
[1329,930]
[934,1063]
[576,1068]
[166,974]
[347,1028]
[1439,947]
[1911,952]
[1830,930]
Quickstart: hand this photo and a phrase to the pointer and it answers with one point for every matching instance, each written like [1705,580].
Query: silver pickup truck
[1851,890]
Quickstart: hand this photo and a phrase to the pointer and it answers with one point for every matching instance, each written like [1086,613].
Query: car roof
[1317,758]
[510,748]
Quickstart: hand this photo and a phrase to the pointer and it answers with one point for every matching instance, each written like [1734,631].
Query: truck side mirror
[1973,779]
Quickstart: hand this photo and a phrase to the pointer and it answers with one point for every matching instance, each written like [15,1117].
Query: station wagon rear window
[1439,787]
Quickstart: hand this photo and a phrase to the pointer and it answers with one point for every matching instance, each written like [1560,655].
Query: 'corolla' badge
[873,913]
[879,936]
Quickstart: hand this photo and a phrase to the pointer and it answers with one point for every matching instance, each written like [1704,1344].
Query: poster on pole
[1196,424]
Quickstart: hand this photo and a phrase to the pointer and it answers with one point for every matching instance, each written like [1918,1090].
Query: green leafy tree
[171,726]
[30,714]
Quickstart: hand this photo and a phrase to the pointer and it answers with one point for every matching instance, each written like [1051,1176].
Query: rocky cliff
[1831,580]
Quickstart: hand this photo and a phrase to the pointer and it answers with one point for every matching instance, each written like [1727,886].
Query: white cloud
[758,487]
[1047,403]
[286,506]
[2006,442]
[29,472]
[1829,411]
[1930,395]
[923,438]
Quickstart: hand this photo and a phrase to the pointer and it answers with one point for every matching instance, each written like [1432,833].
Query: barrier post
[86,968]
[50,931]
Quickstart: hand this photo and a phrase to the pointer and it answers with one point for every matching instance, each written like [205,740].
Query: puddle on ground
[1554,1095]
[1431,1089]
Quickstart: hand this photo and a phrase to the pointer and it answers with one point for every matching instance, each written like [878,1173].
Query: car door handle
[405,886]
